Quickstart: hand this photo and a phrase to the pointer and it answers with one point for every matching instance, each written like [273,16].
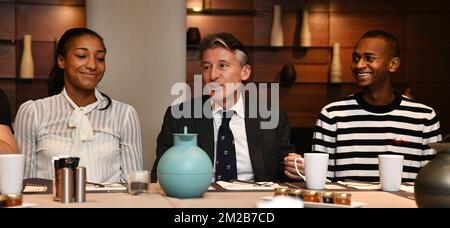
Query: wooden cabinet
[45,21]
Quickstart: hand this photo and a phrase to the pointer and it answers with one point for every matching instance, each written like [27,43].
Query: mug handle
[296,167]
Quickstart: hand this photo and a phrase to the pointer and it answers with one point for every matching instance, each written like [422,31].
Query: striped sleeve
[324,139]
[26,133]
[130,144]
[431,134]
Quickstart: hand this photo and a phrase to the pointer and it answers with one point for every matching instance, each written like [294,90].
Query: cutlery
[262,184]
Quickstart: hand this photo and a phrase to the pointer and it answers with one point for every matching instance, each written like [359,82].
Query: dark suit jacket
[267,148]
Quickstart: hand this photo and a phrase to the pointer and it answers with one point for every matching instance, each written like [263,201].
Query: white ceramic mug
[391,170]
[316,167]
[11,173]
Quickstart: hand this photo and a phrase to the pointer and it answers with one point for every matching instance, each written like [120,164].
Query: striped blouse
[354,133]
[44,130]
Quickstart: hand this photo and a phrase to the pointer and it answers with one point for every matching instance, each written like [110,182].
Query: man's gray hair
[227,41]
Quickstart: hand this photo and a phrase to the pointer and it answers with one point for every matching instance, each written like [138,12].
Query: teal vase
[185,170]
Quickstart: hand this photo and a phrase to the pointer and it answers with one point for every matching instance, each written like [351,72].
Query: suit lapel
[252,129]
[205,128]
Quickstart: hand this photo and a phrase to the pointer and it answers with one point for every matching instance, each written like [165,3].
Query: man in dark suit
[238,143]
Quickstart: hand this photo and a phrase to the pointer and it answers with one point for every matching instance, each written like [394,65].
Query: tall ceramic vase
[277,37]
[336,67]
[305,33]
[26,63]
[207,4]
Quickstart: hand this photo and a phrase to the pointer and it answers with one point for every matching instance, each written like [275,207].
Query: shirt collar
[87,108]
[238,108]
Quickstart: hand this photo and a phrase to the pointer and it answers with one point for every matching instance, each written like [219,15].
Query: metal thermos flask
[67,185]
[80,185]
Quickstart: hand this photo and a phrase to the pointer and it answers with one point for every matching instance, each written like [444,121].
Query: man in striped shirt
[355,130]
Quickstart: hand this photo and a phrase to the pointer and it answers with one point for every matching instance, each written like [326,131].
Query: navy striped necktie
[226,168]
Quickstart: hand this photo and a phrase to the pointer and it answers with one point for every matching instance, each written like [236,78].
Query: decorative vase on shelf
[288,75]
[193,36]
[55,45]
[207,4]
[185,170]
[432,185]
[336,67]
[26,63]
[277,37]
[305,33]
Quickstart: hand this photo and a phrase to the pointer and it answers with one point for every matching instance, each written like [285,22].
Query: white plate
[329,205]
[25,205]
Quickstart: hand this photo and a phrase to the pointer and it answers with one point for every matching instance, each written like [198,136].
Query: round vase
[185,170]
[193,36]
[432,185]
[288,75]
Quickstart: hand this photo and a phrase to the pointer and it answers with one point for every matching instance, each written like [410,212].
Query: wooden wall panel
[54,2]
[428,6]
[194,67]
[57,20]
[427,30]
[388,6]
[7,61]
[358,6]
[303,103]
[30,90]
[240,26]
[7,24]
[348,28]
[429,47]
[435,95]
[291,56]
[304,97]
[312,73]
[346,63]
[429,65]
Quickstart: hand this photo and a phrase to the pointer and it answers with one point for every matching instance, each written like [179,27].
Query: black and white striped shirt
[43,131]
[354,133]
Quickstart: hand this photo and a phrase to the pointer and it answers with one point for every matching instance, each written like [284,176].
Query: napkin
[247,186]
[115,187]
[361,185]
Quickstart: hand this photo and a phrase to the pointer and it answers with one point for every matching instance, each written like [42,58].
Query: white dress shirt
[108,142]
[237,126]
